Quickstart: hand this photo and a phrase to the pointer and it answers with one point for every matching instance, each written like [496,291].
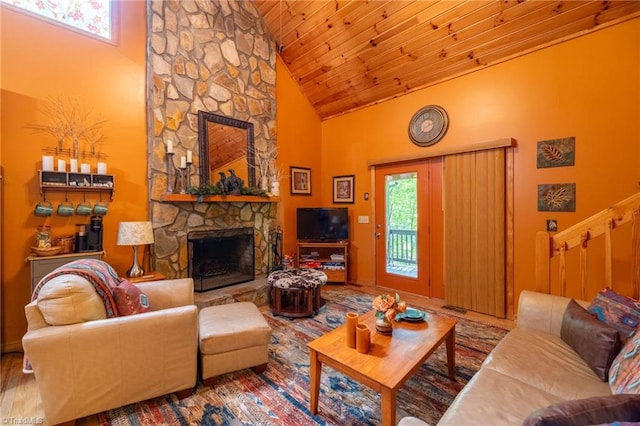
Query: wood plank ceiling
[347,54]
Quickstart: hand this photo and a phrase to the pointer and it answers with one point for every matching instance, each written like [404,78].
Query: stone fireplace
[214,56]
[219,258]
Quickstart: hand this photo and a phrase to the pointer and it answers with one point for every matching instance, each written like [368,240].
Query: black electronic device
[89,236]
[322,224]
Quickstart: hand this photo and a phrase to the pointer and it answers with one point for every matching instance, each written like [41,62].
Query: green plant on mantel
[204,190]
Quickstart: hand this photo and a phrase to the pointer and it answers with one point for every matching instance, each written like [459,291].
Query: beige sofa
[531,368]
[89,367]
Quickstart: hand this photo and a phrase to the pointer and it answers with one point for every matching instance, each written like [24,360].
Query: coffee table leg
[314,373]
[388,407]
[451,354]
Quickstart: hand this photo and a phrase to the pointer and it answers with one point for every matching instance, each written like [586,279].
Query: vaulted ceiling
[346,54]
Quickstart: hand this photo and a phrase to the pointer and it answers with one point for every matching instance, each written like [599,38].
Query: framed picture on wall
[300,180]
[343,188]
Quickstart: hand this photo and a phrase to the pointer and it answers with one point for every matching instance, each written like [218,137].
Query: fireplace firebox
[220,257]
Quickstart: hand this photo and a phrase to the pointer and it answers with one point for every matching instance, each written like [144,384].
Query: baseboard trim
[12,347]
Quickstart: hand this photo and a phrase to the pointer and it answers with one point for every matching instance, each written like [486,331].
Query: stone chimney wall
[216,56]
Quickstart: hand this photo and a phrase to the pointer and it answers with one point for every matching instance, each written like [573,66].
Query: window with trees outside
[91,16]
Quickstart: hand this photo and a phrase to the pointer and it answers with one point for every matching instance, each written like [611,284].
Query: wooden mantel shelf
[188,198]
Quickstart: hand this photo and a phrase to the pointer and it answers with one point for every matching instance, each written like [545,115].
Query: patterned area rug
[280,396]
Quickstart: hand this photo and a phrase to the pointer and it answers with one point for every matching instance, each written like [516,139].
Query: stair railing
[579,235]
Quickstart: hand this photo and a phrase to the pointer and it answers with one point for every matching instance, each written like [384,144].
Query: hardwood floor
[20,400]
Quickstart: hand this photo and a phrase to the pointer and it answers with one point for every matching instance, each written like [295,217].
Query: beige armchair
[89,367]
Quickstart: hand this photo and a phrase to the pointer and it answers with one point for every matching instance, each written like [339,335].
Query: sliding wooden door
[474,231]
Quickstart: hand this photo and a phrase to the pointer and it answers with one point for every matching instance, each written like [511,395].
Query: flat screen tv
[330,224]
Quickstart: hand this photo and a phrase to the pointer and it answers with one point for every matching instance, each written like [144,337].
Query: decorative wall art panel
[557,197]
[556,152]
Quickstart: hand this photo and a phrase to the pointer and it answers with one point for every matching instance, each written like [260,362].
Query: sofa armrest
[113,362]
[165,294]
[543,312]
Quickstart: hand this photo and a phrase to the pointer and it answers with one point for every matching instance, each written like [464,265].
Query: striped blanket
[99,273]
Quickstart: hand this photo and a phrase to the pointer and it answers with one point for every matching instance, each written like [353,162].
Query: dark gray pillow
[590,411]
[595,342]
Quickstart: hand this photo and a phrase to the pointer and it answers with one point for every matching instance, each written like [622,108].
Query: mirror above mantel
[225,143]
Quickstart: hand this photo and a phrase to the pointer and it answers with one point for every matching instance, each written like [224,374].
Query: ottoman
[296,292]
[232,337]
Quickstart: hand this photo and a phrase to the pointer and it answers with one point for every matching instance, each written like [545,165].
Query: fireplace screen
[219,258]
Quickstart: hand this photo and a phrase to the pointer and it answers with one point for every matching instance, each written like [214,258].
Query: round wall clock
[428,125]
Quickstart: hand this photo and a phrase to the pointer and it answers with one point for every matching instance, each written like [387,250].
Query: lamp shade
[134,233]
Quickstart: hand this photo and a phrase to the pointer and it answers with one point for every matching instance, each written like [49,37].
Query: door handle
[377,235]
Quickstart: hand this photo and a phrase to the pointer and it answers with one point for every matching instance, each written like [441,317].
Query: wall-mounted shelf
[76,182]
[188,198]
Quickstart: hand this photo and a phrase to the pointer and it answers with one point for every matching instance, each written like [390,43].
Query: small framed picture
[343,188]
[300,181]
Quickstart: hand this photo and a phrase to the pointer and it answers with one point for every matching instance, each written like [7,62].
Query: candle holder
[170,172]
[183,181]
[189,163]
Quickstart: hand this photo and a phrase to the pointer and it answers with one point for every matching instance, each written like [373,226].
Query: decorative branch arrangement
[265,163]
[70,121]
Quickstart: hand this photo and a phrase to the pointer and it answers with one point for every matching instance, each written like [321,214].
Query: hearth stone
[256,291]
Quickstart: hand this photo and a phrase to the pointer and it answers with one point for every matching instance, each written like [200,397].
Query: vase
[383,325]
[264,183]
[275,189]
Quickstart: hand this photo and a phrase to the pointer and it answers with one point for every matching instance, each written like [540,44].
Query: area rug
[280,395]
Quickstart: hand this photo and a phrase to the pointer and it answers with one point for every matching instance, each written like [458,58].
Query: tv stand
[317,255]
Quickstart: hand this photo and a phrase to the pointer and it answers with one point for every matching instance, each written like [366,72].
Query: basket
[64,241]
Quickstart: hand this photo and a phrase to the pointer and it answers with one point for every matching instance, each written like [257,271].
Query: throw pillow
[130,299]
[70,299]
[624,375]
[589,411]
[595,342]
[620,312]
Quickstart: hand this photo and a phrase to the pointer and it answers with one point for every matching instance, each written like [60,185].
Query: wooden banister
[579,235]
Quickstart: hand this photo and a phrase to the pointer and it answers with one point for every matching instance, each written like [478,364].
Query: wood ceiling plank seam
[459,68]
[441,33]
[318,22]
[341,39]
[264,6]
[365,48]
[486,14]
[388,72]
[273,15]
[299,13]
[531,35]
[304,41]
[337,58]
[393,30]
[485,24]
[577,28]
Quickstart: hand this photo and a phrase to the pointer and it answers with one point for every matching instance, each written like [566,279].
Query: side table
[149,276]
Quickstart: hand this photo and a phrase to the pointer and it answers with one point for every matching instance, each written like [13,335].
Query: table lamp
[135,234]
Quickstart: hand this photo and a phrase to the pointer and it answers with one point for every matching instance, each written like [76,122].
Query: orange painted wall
[41,60]
[587,87]
[299,140]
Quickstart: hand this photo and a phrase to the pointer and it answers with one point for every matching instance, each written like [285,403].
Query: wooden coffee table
[391,359]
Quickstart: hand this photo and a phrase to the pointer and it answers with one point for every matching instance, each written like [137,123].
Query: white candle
[62,166]
[183,162]
[73,165]
[85,168]
[189,157]
[47,163]
[169,147]
[102,168]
